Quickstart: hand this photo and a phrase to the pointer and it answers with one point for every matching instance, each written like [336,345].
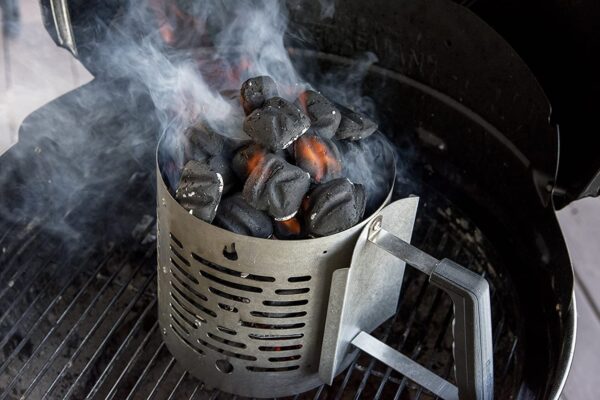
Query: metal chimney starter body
[269,318]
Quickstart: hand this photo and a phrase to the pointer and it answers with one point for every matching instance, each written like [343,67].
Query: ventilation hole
[229,296]
[224,366]
[192,324]
[193,302]
[230,254]
[187,310]
[271,326]
[324,251]
[226,341]
[259,336]
[226,352]
[182,258]
[277,315]
[282,359]
[232,285]
[448,43]
[179,324]
[280,348]
[280,369]
[191,289]
[305,278]
[184,272]
[292,291]
[285,303]
[227,330]
[190,345]
[227,307]
[232,272]
[176,241]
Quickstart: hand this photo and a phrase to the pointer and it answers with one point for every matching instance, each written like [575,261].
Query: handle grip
[473,353]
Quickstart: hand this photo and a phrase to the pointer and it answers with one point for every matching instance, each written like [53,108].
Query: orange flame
[316,157]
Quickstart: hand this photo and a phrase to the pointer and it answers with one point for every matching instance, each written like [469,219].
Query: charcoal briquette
[324,116]
[221,165]
[277,187]
[319,157]
[354,125]
[334,206]
[246,159]
[277,124]
[204,138]
[200,189]
[255,91]
[236,215]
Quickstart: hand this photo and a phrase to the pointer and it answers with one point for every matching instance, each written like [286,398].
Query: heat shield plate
[365,295]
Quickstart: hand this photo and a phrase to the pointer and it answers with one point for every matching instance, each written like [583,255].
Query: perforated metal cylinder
[244,315]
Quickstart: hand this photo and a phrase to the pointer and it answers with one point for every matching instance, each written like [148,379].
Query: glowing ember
[319,157]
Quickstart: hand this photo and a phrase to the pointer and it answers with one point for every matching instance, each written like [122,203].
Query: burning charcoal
[246,159]
[276,187]
[219,164]
[200,190]
[354,125]
[334,207]
[255,91]
[319,157]
[324,116]
[237,216]
[291,229]
[202,137]
[276,124]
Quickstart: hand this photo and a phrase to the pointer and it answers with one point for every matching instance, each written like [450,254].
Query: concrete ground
[33,71]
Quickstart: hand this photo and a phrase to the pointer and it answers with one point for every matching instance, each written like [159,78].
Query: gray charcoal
[319,157]
[221,165]
[354,125]
[255,91]
[237,216]
[276,187]
[204,138]
[324,116]
[246,159]
[276,124]
[200,190]
[334,207]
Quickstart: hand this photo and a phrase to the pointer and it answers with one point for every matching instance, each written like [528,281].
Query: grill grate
[84,324]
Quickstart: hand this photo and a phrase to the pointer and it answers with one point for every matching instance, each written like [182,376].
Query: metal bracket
[62,22]
[473,353]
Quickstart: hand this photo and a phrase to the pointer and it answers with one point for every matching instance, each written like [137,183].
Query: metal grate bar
[122,347]
[145,371]
[179,381]
[114,327]
[47,310]
[162,376]
[132,360]
[46,365]
[98,322]
[199,386]
[31,305]
[24,268]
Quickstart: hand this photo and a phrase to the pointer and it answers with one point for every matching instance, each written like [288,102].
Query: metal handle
[470,294]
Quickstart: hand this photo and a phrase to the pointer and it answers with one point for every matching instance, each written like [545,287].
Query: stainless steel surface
[366,294]
[62,22]
[407,367]
[246,315]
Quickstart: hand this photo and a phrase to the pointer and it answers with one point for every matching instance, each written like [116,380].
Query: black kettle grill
[475,136]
